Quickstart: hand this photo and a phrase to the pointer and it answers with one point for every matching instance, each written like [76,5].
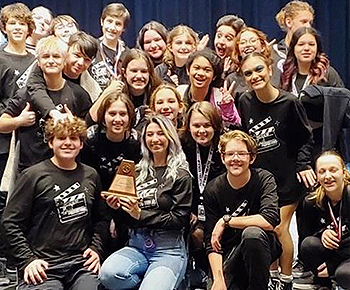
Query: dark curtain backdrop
[332,19]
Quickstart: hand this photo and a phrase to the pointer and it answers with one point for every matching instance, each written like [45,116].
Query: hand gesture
[226,94]
[131,206]
[227,64]
[203,42]
[27,117]
[308,177]
[116,85]
[217,234]
[93,261]
[34,273]
[330,239]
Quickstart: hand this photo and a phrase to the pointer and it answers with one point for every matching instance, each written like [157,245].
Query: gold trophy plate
[123,184]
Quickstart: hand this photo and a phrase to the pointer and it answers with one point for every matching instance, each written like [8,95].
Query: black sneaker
[286,285]
[4,281]
[298,270]
[305,283]
[274,283]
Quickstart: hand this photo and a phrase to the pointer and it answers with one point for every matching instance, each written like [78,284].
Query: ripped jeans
[153,259]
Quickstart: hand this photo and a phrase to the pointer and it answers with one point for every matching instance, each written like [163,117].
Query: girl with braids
[155,257]
[181,42]
[327,250]
[306,63]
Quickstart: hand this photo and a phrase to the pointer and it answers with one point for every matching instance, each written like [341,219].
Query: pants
[247,266]
[154,259]
[66,276]
[313,254]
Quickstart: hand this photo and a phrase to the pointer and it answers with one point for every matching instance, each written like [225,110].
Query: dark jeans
[313,254]
[247,266]
[66,276]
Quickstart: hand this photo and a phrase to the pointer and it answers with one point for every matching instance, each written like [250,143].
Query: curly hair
[291,10]
[319,66]
[176,158]
[64,128]
[320,193]
[266,50]
[178,30]
[18,11]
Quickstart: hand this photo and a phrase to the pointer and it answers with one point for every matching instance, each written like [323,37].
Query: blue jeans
[154,259]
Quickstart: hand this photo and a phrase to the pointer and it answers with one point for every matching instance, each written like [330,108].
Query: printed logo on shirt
[265,134]
[22,81]
[71,205]
[100,73]
[147,193]
[111,164]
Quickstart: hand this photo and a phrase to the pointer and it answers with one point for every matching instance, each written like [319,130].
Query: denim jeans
[153,259]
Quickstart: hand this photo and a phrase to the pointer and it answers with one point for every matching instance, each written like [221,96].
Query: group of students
[224,148]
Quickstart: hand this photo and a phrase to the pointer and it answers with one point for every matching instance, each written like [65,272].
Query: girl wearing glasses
[327,251]
[278,122]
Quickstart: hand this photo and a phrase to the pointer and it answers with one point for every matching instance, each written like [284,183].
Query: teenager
[114,19]
[181,42]
[278,121]
[55,220]
[21,113]
[63,26]
[152,39]
[241,212]
[155,256]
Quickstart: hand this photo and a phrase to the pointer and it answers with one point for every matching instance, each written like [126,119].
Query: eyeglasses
[251,41]
[239,154]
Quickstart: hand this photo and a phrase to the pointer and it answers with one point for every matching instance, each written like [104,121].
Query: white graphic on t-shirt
[71,206]
[147,192]
[22,81]
[16,72]
[265,134]
[56,188]
[100,73]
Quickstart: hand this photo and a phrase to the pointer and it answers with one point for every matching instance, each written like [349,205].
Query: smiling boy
[55,219]
[114,19]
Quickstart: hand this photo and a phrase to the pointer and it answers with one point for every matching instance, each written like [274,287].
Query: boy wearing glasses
[241,208]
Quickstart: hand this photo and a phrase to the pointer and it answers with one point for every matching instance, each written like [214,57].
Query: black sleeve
[334,79]
[178,216]
[37,91]
[17,103]
[212,214]
[301,140]
[16,218]
[269,200]
[100,218]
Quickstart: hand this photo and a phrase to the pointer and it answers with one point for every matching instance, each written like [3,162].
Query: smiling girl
[181,42]
[166,100]
[278,121]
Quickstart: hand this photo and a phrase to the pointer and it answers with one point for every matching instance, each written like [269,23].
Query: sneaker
[286,285]
[274,283]
[4,281]
[298,270]
[305,283]
[12,275]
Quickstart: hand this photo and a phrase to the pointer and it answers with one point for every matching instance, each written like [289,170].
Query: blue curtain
[332,19]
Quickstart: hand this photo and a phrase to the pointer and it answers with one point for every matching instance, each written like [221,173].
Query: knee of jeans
[342,276]
[114,278]
[253,233]
[310,244]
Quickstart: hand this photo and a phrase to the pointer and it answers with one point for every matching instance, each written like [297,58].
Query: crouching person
[55,220]
[241,209]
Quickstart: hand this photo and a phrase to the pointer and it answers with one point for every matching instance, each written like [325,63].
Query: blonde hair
[178,30]
[291,10]
[51,44]
[165,86]
[320,192]
[250,142]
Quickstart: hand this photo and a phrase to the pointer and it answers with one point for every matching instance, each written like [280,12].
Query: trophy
[123,184]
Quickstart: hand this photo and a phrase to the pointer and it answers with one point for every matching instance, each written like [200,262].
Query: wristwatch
[227,218]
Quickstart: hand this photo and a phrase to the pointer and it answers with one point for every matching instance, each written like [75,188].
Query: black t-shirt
[283,135]
[55,214]
[259,195]
[105,156]
[34,148]
[163,72]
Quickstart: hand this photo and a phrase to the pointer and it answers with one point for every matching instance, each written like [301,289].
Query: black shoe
[4,280]
[305,283]
[286,285]
[274,283]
